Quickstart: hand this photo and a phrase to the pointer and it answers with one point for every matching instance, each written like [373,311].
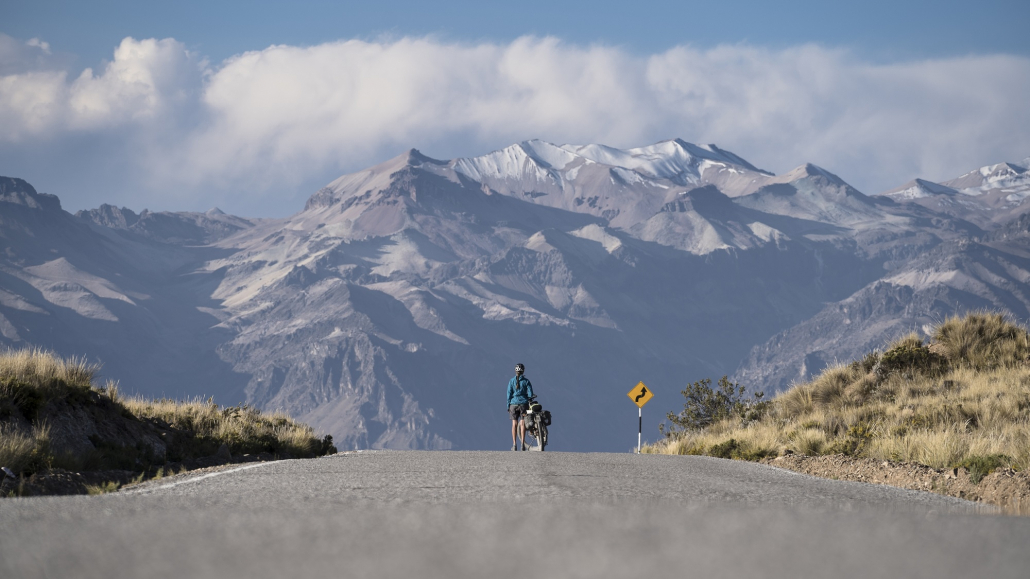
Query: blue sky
[169,116]
[880,29]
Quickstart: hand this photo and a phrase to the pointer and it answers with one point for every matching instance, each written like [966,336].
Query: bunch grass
[243,428]
[962,400]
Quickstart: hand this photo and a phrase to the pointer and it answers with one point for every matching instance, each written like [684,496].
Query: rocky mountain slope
[130,303]
[390,310]
[934,276]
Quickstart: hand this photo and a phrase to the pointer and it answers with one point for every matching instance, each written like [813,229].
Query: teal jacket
[520,390]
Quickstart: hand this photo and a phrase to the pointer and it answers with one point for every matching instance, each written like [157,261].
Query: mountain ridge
[387,309]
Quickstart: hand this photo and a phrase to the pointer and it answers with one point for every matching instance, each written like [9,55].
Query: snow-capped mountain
[390,310]
[986,196]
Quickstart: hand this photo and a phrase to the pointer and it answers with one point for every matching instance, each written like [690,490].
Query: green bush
[981,466]
[852,443]
[705,406]
[327,447]
[733,448]
[725,449]
[909,357]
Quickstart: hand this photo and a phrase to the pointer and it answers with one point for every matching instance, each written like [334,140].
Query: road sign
[640,394]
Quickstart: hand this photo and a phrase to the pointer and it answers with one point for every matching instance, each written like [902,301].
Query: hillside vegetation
[53,417]
[961,400]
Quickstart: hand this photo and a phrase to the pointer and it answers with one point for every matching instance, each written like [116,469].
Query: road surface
[388,514]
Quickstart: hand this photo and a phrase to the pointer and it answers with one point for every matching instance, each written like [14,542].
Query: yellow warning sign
[640,394]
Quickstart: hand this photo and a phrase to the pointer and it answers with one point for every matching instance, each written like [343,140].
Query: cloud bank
[160,126]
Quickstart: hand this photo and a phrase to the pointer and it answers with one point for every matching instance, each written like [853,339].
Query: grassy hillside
[961,400]
[52,416]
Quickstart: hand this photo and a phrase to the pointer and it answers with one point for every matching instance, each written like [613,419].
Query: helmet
[519,368]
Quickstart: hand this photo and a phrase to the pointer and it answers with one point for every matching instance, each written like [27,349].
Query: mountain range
[390,311]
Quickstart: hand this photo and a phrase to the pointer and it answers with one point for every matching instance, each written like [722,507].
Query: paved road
[496,514]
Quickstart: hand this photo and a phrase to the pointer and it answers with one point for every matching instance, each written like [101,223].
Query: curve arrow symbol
[641,395]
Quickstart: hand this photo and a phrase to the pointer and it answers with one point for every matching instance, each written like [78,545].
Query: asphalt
[387,514]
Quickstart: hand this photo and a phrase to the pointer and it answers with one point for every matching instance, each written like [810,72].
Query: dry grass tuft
[243,428]
[983,341]
[43,370]
[102,488]
[21,451]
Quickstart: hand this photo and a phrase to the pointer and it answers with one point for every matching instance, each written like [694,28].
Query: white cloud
[44,47]
[146,81]
[271,120]
[301,108]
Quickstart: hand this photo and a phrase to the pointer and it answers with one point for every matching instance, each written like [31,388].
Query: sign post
[640,395]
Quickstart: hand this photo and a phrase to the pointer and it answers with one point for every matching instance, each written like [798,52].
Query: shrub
[852,443]
[981,466]
[909,357]
[327,446]
[866,364]
[725,449]
[705,406]
[739,449]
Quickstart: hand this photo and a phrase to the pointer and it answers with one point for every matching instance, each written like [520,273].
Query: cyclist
[520,390]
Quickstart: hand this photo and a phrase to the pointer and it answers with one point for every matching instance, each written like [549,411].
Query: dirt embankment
[62,434]
[1004,488]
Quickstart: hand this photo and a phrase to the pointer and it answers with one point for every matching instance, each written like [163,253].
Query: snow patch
[665,160]
[630,177]
[913,192]
[766,233]
[538,243]
[402,255]
[597,233]
[529,159]
[1018,197]
[923,279]
[60,269]
[76,298]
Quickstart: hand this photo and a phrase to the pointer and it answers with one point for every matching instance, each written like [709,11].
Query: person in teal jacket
[520,390]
